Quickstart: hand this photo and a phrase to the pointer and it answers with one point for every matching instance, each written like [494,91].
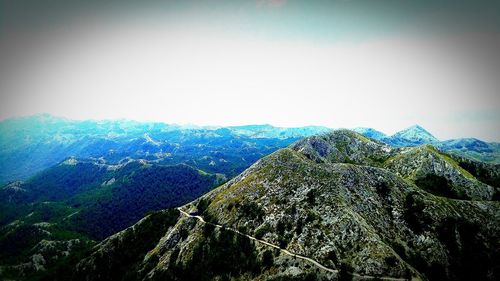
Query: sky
[348,63]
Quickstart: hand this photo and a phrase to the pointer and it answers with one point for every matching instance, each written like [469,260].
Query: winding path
[286,252]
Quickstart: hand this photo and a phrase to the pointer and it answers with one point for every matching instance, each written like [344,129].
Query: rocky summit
[337,206]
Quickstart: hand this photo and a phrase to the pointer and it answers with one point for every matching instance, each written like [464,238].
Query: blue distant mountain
[268,131]
[369,132]
[412,136]
[471,148]
[31,144]
[468,144]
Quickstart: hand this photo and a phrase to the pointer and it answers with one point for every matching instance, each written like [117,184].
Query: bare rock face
[339,206]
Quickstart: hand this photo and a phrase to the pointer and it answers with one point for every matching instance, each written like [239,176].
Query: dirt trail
[286,252]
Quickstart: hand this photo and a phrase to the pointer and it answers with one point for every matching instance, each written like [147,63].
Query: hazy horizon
[45,114]
[386,65]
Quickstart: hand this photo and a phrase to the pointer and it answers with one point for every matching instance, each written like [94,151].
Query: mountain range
[30,144]
[338,206]
[69,185]
[416,135]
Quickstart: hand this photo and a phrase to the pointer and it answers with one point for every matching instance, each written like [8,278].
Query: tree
[267,259]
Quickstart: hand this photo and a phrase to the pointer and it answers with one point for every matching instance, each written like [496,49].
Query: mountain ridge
[31,144]
[349,213]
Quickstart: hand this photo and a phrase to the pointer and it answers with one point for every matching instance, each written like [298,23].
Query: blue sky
[381,64]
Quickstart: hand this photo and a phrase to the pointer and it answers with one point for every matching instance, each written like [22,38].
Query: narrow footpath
[286,252]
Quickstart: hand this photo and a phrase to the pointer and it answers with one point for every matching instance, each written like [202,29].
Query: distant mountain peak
[416,133]
[415,127]
[418,128]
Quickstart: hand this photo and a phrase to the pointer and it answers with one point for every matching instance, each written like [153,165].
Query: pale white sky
[184,71]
